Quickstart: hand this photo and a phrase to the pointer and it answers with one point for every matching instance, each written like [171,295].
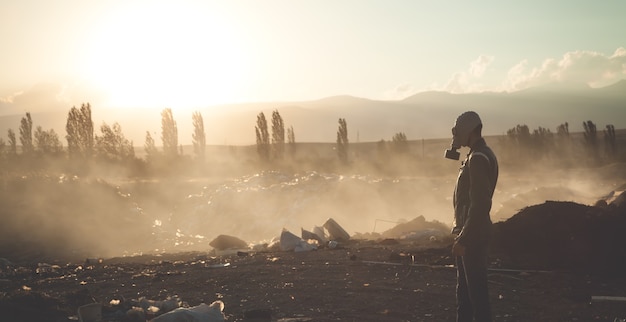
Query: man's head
[466,127]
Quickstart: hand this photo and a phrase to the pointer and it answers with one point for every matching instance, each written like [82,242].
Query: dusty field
[359,281]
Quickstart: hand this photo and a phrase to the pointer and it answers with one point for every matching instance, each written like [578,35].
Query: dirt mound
[563,236]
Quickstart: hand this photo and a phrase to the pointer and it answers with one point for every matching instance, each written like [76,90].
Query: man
[472,202]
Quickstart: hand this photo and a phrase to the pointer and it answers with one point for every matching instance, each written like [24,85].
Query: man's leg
[464,312]
[475,266]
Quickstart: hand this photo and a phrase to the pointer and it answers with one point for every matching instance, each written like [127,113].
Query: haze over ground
[143,56]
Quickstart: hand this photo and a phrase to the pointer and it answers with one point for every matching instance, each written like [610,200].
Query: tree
[342,140]
[278,135]
[79,128]
[47,142]
[112,145]
[12,143]
[169,134]
[400,143]
[262,137]
[542,139]
[291,140]
[150,148]
[562,131]
[3,147]
[591,137]
[26,134]
[609,141]
[198,136]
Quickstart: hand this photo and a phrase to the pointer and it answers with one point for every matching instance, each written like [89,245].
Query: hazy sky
[197,53]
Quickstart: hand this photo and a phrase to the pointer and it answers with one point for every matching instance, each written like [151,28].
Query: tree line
[274,143]
[540,144]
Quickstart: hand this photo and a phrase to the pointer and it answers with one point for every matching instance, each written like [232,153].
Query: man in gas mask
[472,202]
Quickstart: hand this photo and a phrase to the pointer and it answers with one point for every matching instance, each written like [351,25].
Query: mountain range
[421,116]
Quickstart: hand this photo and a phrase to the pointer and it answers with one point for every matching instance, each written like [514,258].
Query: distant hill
[424,115]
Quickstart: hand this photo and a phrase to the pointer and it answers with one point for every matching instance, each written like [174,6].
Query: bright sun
[166,55]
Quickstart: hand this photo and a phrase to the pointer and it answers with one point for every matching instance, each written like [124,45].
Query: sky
[188,54]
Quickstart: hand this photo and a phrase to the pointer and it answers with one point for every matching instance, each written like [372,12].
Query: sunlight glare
[166,55]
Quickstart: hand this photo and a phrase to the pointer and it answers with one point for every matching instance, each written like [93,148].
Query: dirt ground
[549,262]
[357,281]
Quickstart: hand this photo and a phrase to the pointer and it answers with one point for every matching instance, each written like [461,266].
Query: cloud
[479,66]
[589,67]
[48,97]
[460,82]
[10,98]
[469,80]
[400,92]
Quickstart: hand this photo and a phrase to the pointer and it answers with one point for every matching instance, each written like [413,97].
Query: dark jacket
[472,195]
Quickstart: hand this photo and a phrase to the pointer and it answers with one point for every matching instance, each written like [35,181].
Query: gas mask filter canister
[463,126]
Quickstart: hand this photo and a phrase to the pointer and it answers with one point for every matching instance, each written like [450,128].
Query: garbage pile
[331,234]
[565,236]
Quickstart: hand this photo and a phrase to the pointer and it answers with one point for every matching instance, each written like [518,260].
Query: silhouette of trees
[399,143]
[278,135]
[80,136]
[342,141]
[609,141]
[169,134]
[12,143]
[591,136]
[150,148]
[542,139]
[3,152]
[26,135]
[112,145]
[47,142]
[262,137]
[562,131]
[198,136]
[291,140]
[519,140]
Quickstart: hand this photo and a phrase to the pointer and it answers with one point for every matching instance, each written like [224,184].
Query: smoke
[50,217]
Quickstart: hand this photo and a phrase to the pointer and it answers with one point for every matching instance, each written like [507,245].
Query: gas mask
[452,152]
[461,131]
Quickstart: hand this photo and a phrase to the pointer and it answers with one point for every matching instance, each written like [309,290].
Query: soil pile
[563,236]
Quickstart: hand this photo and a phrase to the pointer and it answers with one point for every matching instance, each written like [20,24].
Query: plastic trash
[306,235]
[291,242]
[200,313]
[319,231]
[288,241]
[336,232]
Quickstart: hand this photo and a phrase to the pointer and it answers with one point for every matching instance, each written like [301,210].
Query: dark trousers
[472,294]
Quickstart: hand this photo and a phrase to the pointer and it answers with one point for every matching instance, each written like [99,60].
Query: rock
[224,242]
